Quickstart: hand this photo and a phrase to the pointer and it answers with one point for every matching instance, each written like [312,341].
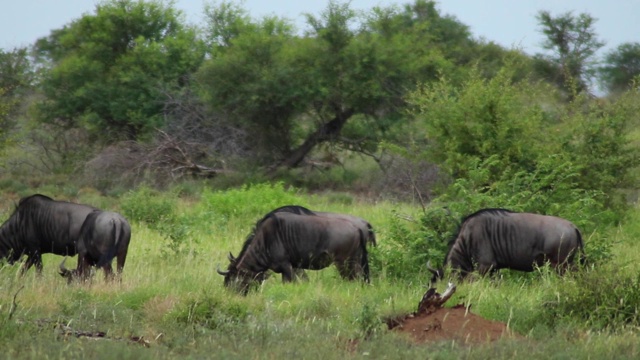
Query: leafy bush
[157,210]
[148,206]
[601,299]
[504,144]
[252,201]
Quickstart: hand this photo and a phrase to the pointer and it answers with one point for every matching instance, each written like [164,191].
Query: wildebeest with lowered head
[103,236]
[41,225]
[284,241]
[492,239]
[359,222]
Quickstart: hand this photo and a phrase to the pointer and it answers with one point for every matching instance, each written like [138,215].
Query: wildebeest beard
[246,272]
[242,279]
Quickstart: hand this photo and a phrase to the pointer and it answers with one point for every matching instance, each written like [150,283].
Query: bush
[507,144]
[157,210]
[602,299]
[148,206]
[250,201]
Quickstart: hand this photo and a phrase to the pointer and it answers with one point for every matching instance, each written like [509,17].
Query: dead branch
[431,300]
[14,304]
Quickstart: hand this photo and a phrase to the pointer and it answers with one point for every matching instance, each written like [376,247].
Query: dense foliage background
[396,114]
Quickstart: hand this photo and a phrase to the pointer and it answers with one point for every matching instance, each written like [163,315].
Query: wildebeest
[103,236]
[41,225]
[359,222]
[492,239]
[285,241]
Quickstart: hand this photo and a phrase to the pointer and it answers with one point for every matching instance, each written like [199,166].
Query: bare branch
[14,304]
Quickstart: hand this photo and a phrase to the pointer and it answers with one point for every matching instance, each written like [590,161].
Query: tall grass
[176,300]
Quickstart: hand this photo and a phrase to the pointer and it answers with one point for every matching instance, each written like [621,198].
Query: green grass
[176,301]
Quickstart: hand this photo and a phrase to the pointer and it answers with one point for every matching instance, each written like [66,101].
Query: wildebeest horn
[231,257]
[63,270]
[223,273]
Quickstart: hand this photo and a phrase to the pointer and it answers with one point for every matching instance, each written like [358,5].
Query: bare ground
[447,324]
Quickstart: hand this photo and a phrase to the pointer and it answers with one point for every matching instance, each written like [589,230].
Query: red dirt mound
[455,323]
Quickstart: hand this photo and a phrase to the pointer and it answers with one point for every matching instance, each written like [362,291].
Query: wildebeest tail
[582,255]
[372,235]
[364,260]
[117,233]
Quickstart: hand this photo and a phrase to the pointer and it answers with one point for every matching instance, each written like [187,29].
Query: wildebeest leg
[108,272]
[34,259]
[483,269]
[301,274]
[347,269]
[83,271]
[287,273]
[121,258]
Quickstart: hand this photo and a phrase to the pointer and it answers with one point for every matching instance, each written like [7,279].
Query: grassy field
[172,297]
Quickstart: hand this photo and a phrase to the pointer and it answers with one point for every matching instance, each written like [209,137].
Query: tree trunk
[326,132]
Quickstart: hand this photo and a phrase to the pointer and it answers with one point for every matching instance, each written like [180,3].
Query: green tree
[573,42]
[512,144]
[621,67]
[342,83]
[108,70]
[482,121]
[17,77]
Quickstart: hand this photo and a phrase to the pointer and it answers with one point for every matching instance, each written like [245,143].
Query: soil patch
[456,323]
[432,322]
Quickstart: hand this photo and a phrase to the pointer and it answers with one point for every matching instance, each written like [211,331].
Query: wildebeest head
[240,280]
[66,273]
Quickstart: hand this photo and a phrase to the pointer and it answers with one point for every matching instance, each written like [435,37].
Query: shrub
[157,210]
[507,144]
[250,201]
[603,299]
[148,206]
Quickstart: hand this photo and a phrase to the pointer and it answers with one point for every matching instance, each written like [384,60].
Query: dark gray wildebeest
[284,242]
[359,222]
[41,225]
[103,236]
[492,239]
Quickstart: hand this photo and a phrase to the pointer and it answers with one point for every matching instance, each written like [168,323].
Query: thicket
[512,144]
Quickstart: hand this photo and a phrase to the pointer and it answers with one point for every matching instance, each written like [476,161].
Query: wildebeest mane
[294,209]
[490,211]
[28,199]
[16,221]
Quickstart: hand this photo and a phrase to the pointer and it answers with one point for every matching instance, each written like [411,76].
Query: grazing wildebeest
[41,225]
[103,236]
[359,222]
[492,239]
[284,241]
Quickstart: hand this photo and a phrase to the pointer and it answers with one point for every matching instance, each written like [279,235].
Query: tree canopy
[108,70]
[573,42]
[342,83]
[621,67]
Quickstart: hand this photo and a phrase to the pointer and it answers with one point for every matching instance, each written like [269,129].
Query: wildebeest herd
[41,225]
[287,240]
